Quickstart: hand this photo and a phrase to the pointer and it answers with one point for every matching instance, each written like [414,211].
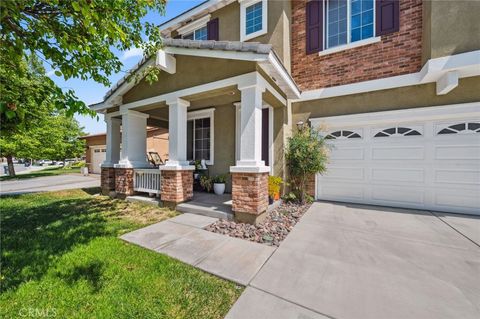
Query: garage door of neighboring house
[98,157]
[427,158]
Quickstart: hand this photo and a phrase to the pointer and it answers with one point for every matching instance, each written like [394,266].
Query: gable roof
[235,50]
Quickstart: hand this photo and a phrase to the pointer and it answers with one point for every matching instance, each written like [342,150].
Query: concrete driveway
[48,183]
[353,261]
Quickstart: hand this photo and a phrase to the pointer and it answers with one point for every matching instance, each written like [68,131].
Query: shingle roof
[237,46]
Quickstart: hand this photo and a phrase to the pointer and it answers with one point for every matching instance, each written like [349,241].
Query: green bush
[306,155]
[220,179]
[206,183]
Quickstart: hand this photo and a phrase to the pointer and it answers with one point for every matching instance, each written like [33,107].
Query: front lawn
[61,255]
[50,171]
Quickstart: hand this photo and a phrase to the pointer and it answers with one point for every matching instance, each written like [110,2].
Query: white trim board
[194,25]
[466,64]
[464,110]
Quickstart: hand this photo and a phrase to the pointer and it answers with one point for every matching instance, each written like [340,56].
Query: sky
[92,92]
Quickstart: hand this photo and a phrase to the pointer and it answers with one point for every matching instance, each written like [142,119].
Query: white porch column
[177,133]
[113,141]
[250,150]
[134,140]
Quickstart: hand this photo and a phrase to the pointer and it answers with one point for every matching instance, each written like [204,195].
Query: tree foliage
[306,155]
[35,122]
[76,38]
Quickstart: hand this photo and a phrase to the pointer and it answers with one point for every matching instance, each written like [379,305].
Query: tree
[77,37]
[306,156]
[35,124]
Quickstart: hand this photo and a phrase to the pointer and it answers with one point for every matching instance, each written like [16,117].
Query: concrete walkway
[184,238]
[354,261]
[48,183]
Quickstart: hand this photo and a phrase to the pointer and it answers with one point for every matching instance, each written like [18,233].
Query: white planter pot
[218,188]
[84,171]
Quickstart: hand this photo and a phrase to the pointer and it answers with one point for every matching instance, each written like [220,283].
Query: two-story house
[395,86]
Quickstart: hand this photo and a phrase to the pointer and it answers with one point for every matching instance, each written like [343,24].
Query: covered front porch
[236,125]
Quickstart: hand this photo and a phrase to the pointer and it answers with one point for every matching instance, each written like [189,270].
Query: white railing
[147,180]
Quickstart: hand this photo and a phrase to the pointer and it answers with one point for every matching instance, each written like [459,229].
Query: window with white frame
[200,136]
[348,21]
[253,18]
[199,34]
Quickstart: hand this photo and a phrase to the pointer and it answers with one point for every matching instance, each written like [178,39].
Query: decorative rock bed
[276,226]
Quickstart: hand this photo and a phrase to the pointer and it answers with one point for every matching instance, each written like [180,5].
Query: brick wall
[177,186]
[107,180]
[397,53]
[124,181]
[250,192]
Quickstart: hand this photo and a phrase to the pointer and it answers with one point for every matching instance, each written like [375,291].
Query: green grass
[61,254]
[44,172]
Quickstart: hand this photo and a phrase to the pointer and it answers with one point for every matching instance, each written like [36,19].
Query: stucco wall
[279,122]
[450,27]
[385,100]
[191,71]
[224,142]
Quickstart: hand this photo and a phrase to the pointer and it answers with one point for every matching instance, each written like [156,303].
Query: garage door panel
[457,152]
[467,201]
[398,153]
[398,195]
[389,166]
[457,176]
[342,172]
[398,175]
[347,153]
[345,192]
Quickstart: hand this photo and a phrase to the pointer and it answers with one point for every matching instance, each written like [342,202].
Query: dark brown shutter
[178,36]
[314,30]
[265,131]
[212,29]
[387,16]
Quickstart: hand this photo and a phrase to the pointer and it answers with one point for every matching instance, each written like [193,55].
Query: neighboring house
[395,84]
[96,147]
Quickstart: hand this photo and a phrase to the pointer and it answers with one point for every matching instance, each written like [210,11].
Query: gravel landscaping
[276,226]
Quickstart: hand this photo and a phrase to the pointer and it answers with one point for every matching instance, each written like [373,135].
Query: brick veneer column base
[124,182]
[177,186]
[107,180]
[249,196]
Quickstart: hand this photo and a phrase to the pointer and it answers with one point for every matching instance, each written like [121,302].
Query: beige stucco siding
[385,100]
[224,141]
[191,71]
[450,27]
[279,123]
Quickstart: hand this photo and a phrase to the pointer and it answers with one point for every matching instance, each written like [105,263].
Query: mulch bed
[276,226]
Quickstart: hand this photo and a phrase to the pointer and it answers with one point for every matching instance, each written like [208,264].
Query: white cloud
[134,52]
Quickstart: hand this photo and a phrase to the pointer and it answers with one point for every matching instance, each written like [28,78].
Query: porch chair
[155,159]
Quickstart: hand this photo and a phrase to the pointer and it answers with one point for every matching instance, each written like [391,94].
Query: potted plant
[274,183]
[198,166]
[206,183]
[219,184]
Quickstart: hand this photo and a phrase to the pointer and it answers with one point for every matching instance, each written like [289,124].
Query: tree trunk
[11,168]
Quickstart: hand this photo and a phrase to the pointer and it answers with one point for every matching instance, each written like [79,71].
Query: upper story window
[199,34]
[348,21]
[253,18]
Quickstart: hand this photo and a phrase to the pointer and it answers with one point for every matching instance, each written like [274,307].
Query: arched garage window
[397,131]
[461,127]
[343,134]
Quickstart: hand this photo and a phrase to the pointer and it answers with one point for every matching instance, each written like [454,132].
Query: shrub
[274,183]
[220,179]
[306,155]
[206,183]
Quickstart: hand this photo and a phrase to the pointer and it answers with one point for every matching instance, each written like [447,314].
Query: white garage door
[98,157]
[426,158]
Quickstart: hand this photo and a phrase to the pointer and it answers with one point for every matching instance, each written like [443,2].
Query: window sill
[350,46]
